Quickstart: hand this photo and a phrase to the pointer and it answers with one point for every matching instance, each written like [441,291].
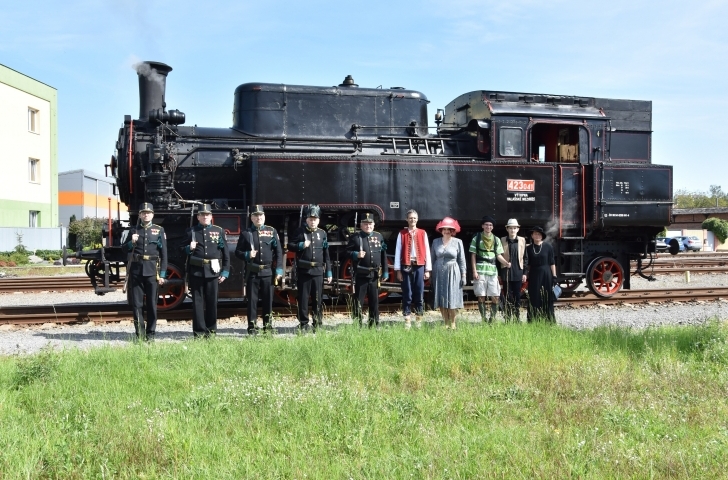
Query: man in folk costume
[147,270]
[260,248]
[312,260]
[369,256]
[209,266]
[485,249]
[514,248]
[413,265]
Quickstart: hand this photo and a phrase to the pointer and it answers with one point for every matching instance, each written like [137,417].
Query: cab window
[510,142]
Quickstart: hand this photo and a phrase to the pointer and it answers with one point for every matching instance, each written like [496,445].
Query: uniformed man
[312,259]
[369,256]
[209,266]
[147,269]
[260,248]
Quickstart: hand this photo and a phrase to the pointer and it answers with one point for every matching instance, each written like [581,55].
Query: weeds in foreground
[502,401]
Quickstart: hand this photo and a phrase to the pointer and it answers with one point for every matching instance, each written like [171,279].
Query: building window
[34,170]
[33,120]
[34,219]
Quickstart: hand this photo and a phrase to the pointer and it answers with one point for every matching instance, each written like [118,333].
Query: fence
[33,238]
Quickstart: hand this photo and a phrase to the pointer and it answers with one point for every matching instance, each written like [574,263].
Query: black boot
[481,309]
[252,331]
[139,327]
[493,312]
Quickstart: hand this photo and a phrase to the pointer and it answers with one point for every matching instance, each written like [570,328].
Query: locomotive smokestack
[152,86]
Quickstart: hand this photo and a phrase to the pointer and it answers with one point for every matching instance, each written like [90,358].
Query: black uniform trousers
[144,286]
[204,301]
[367,287]
[512,297]
[259,287]
[310,285]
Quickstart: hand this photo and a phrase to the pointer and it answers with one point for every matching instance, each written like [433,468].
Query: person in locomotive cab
[485,249]
[413,265]
[514,249]
[312,259]
[369,256]
[147,270]
[260,248]
[209,265]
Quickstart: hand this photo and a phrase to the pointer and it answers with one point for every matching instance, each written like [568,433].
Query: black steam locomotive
[578,166]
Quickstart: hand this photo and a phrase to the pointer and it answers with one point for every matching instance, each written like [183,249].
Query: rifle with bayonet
[128,262]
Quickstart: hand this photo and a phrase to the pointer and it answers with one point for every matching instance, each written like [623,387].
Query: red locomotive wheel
[605,277]
[346,278]
[172,293]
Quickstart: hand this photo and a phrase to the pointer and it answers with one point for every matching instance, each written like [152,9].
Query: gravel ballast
[23,340]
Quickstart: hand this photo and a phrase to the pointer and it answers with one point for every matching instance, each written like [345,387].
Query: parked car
[692,243]
[661,244]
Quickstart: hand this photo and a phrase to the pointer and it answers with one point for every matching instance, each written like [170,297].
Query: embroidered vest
[406,246]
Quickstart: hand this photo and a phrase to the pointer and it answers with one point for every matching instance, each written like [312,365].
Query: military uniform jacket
[211,245]
[269,254]
[375,253]
[314,259]
[149,252]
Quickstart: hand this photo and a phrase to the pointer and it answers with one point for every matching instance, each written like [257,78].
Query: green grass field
[508,401]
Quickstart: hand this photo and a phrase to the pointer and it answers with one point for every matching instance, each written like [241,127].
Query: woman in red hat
[448,271]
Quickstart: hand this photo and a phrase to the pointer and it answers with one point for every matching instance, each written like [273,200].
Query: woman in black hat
[541,273]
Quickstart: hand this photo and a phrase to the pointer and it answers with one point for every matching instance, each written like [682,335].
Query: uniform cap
[488,219]
[448,222]
[146,207]
[256,209]
[512,222]
[367,218]
[314,211]
[205,208]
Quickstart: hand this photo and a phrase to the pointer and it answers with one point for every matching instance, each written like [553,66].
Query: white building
[28,151]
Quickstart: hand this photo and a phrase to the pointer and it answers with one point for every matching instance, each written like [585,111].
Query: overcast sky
[672,53]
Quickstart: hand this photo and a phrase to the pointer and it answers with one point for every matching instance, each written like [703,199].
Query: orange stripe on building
[88,200]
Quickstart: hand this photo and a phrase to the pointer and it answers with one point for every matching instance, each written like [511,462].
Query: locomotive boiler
[578,166]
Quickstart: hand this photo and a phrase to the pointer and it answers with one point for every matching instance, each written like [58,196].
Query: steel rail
[115,312]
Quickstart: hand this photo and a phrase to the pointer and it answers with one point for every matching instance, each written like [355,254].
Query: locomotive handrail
[636,202]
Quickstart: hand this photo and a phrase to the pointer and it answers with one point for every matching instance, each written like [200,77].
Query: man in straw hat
[514,248]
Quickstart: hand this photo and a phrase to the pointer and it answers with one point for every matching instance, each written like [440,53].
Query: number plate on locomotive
[521,185]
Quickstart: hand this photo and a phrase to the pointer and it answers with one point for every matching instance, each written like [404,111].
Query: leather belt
[138,258]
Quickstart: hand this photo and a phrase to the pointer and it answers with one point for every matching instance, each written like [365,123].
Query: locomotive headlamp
[173,117]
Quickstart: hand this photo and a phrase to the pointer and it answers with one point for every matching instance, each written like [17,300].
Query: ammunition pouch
[198,262]
[256,267]
[307,264]
[362,270]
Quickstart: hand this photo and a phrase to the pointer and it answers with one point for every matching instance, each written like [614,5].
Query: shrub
[718,227]
[87,231]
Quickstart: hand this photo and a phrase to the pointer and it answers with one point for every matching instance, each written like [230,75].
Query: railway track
[42,284]
[106,313]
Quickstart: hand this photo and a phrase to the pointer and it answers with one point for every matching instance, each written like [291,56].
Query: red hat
[448,222]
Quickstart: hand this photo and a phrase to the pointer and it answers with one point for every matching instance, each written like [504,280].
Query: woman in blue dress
[448,271]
